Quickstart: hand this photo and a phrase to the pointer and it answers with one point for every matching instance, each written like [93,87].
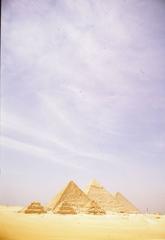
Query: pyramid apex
[119,194]
[116,193]
[71,182]
[95,183]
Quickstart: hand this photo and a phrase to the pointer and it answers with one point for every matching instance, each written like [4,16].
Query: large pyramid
[107,201]
[72,195]
[98,193]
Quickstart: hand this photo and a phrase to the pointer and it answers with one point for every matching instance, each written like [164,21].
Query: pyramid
[107,201]
[98,193]
[94,208]
[73,195]
[65,208]
[124,204]
[34,207]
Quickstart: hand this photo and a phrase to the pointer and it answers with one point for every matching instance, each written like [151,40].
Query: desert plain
[115,226]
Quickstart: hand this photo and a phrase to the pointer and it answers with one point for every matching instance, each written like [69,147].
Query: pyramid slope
[125,204]
[98,193]
[55,201]
[73,195]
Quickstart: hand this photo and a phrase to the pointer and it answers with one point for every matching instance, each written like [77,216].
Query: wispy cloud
[39,152]
[18,130]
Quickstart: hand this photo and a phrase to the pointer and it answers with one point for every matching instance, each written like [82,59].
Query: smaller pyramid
[64,208]
[34,207]
[94,208]
[125,205]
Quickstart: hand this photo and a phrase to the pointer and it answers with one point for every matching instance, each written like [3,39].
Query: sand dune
[20,226]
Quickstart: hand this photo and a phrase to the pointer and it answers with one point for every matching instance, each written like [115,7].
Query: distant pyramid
[125,205]
[98,193]
[107,201]
[94,208]
[72,195]
[34,207]
[94,183]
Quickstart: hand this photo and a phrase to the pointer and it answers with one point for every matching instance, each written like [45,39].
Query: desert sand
[50,226]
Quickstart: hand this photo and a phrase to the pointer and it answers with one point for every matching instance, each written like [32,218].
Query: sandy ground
[20,226]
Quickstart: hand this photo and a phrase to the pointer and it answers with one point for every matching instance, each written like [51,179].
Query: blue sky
[83,97]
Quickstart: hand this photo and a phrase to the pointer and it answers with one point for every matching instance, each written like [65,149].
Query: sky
[82,98]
